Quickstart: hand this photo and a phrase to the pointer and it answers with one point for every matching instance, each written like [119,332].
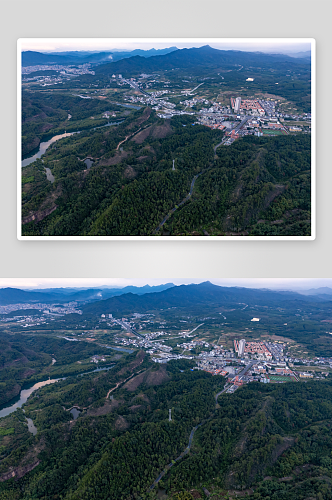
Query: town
[239,118]
[248,361]
[59,74]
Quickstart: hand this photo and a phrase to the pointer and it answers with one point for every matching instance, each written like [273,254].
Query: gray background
[160,18]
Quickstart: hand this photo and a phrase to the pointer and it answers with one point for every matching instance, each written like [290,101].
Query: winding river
[43,146]
[19,400]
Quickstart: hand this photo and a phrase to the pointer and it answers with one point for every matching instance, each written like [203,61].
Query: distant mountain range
[302,55]
[323,292]
[61,295]
[141,299]
[147,61]
[32,58]
[189,295]
[205,57]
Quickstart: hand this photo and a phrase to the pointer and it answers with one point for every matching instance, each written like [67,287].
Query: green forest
[268,442]
[45,115]
[256,186]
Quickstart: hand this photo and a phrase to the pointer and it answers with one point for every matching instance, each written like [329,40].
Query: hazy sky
[251,44]
[276,283]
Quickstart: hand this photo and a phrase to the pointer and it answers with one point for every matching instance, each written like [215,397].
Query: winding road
[180,204]
[187,449]
[188,195]
[185,452]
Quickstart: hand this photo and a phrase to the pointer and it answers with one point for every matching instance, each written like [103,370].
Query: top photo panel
[169,139]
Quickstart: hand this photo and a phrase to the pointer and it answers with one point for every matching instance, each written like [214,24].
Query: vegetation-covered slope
[270,442]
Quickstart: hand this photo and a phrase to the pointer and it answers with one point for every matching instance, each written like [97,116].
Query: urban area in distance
[193,141]
[179,392]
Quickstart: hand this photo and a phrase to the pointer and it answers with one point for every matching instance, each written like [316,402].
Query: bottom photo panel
[123,389]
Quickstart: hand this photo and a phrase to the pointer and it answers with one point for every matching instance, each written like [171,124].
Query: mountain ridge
[16,295]
[206,56]
[186,295]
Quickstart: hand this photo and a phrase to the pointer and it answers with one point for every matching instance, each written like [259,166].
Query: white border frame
[203,41]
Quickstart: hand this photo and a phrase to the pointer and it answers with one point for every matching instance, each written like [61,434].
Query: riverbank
[43,146]
[18,401]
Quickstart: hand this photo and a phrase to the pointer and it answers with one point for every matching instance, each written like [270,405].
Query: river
[19,400]
[42,148]
[23,396]
[44,145]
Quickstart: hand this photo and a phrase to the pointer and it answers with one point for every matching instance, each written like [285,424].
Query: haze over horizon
[270,283]
[283,46]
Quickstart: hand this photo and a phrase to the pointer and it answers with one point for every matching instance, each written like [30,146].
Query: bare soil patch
[121,423]
[114,160]
[27,464]
[135,407]
[195,494]
[141,136]
[278,189]
[145,116]
[129,173]
[108,407]
[162,131]
[143,397]
[46,208]
[134,364]
[46,127]
[135,382]
[157,378]
[38,216]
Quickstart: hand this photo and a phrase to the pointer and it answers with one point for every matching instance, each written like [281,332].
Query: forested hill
[264,442]
[31,58]
[205,57]
[187,295]
[17,296]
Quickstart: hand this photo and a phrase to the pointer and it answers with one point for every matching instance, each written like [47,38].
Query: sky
[271,283]
[278,45]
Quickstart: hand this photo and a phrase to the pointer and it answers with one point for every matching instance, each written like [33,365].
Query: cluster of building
[64,73]
[264,116]
[249,105]
[193,102]
[193,344]
[249,362]
[82,69]
[97,358]
[255,350]
[68,308]
[108,114]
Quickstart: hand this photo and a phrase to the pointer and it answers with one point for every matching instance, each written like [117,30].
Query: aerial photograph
[131,389]
[166,138]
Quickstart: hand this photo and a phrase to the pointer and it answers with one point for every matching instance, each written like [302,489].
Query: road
[130,135]
[180,204]
[246,368]
[240,125]
[224,390]
[120,383]
[136,87]
[194,179]
[128,328]
[184,453]
[197,87]
[217,146]
[192,331]
[241,374]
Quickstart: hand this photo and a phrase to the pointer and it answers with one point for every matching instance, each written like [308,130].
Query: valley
[152,125]
[191,391]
